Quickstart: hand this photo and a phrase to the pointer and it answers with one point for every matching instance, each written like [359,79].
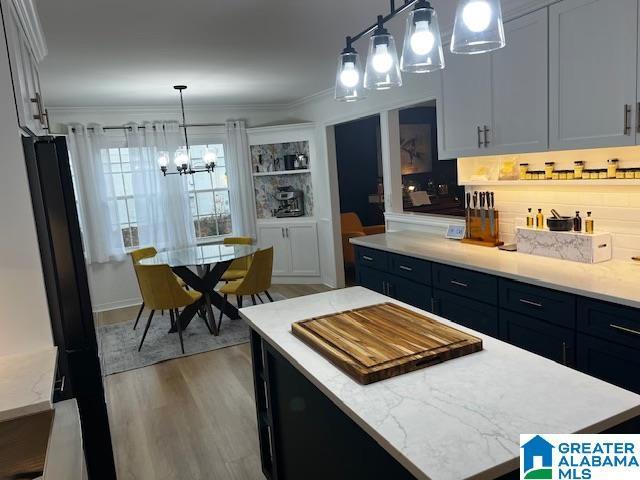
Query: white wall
[24,314]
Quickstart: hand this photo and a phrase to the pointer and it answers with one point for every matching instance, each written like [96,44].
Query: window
[208,194]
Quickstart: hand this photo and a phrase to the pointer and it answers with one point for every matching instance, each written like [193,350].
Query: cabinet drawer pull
[627,122]
[564,353]
[368,259]
[486,131]
[405,268]
[479,137]
[529,302]
[459,284]
[624,329]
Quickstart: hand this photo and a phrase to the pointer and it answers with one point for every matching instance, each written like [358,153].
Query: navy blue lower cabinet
[410,292]
[537,336]
[615,323]
[372,279]
[470,313]
[609,361]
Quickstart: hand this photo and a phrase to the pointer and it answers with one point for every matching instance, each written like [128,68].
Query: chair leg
[179,325]
[266,292]
[139,315]
[259,298]
[239,297]
[162,312]
[222,310]
[253,299]
[146,329]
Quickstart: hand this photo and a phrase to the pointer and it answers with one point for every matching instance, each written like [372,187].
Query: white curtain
[162,203]
[98,209]
[241,196]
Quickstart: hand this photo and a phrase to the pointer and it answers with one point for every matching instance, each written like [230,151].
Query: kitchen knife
[475,204]
[468,213]
[482,212]
[492,215]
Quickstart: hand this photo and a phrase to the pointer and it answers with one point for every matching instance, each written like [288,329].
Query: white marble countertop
[459,419]
[26,383]
[614,281]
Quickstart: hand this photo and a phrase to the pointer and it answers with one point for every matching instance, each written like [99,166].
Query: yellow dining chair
[238,268]
[161,291]
[141,254]
[256,281]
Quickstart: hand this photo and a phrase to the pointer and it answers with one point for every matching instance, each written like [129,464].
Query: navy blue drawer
[470,313]
[372,258]
[611,322]
[415,294]
[549,305]
[545,339]
[608,361]
[476,285]
[411,268]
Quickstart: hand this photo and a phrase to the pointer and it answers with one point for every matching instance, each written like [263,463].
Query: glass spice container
[548,170]
[570,174]
[578,168]
[595,174]
[636,174]
[529,176]
[629,173]
[620,172]
[612,167]
[556,175]
[588,223]
[562,175]
[524,168]
[542,175]
[604,174]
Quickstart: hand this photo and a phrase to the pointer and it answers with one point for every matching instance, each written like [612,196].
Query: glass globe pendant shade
[163,160]
[478,27]
[181,159]
[209,158]
[383,68]
[422,50]
[349,76]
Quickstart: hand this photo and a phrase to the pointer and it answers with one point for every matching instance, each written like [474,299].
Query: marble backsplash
[266,186]
[272,155]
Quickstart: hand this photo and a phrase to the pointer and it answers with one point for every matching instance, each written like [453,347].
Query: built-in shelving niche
[269,173]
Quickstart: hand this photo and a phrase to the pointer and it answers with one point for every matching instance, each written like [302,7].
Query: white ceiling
[229,52]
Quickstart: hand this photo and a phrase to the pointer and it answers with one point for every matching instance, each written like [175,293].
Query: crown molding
[28,17]
[143,109]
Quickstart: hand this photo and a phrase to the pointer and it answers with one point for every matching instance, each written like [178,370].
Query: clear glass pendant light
[422,50]
[349,76]
[181,159]
[383,68]
[478,27]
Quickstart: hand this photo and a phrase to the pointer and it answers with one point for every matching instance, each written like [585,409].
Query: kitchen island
[456,420]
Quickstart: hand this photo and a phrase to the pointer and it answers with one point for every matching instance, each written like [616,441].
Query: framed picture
[415,148]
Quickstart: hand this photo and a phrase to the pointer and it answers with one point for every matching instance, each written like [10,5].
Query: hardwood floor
[190,418]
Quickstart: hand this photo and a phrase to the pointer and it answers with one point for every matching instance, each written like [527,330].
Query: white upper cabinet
[466,105]
[519,87]
[592,73]
[496,103]
[24,72]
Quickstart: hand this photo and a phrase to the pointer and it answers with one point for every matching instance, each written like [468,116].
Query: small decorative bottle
[588,223]
[539,219]
[530,219]
[577,223]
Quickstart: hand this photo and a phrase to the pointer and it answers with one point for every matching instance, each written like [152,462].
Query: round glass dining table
[210,262]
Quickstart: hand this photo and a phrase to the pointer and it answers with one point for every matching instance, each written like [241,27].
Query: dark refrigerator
[65,274]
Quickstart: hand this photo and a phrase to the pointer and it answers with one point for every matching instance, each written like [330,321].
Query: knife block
[477,235]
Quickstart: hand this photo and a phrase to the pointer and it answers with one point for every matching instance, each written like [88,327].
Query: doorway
[360,184]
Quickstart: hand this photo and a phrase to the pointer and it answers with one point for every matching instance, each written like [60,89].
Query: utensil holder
[479,234]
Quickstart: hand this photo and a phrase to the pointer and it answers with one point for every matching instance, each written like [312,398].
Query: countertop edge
[361,241]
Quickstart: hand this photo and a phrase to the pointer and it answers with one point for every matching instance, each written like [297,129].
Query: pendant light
[422,50]
[478,27]
[349,76]
[383,69]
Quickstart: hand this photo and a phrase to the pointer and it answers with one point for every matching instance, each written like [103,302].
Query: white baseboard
[105,307]
[299,280]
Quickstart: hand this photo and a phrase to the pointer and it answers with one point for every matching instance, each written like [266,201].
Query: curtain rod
[181,125]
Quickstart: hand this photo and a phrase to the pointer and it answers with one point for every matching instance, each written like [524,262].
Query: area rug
[118,343]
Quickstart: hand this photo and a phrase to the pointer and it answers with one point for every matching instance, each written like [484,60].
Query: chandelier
[182,158]
[478,28]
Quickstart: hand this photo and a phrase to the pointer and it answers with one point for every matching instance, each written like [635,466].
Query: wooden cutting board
[381,341]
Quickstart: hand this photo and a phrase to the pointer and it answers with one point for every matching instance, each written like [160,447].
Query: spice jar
[578,168]
[570,175]
[620,172]
[612,167]
[529,176]
[629,173]
[548,170]
[524,168]
[562,175]
[542,175]
[556,175]
[636,174]
[603,174]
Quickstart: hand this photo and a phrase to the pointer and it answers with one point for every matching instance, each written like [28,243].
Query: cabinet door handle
[459,284]
[286,230]
[479,137]
[40,115]
[367,258]
[282,231]
[564,353]
[405,268]
[627,122]
[638,119]
[384,287]
[625,330]
[529,302]
[486,131]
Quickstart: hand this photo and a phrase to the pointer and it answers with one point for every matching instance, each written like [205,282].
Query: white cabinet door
[592,73]
[519,87]
[274,236]
[303,239]
[466,105]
